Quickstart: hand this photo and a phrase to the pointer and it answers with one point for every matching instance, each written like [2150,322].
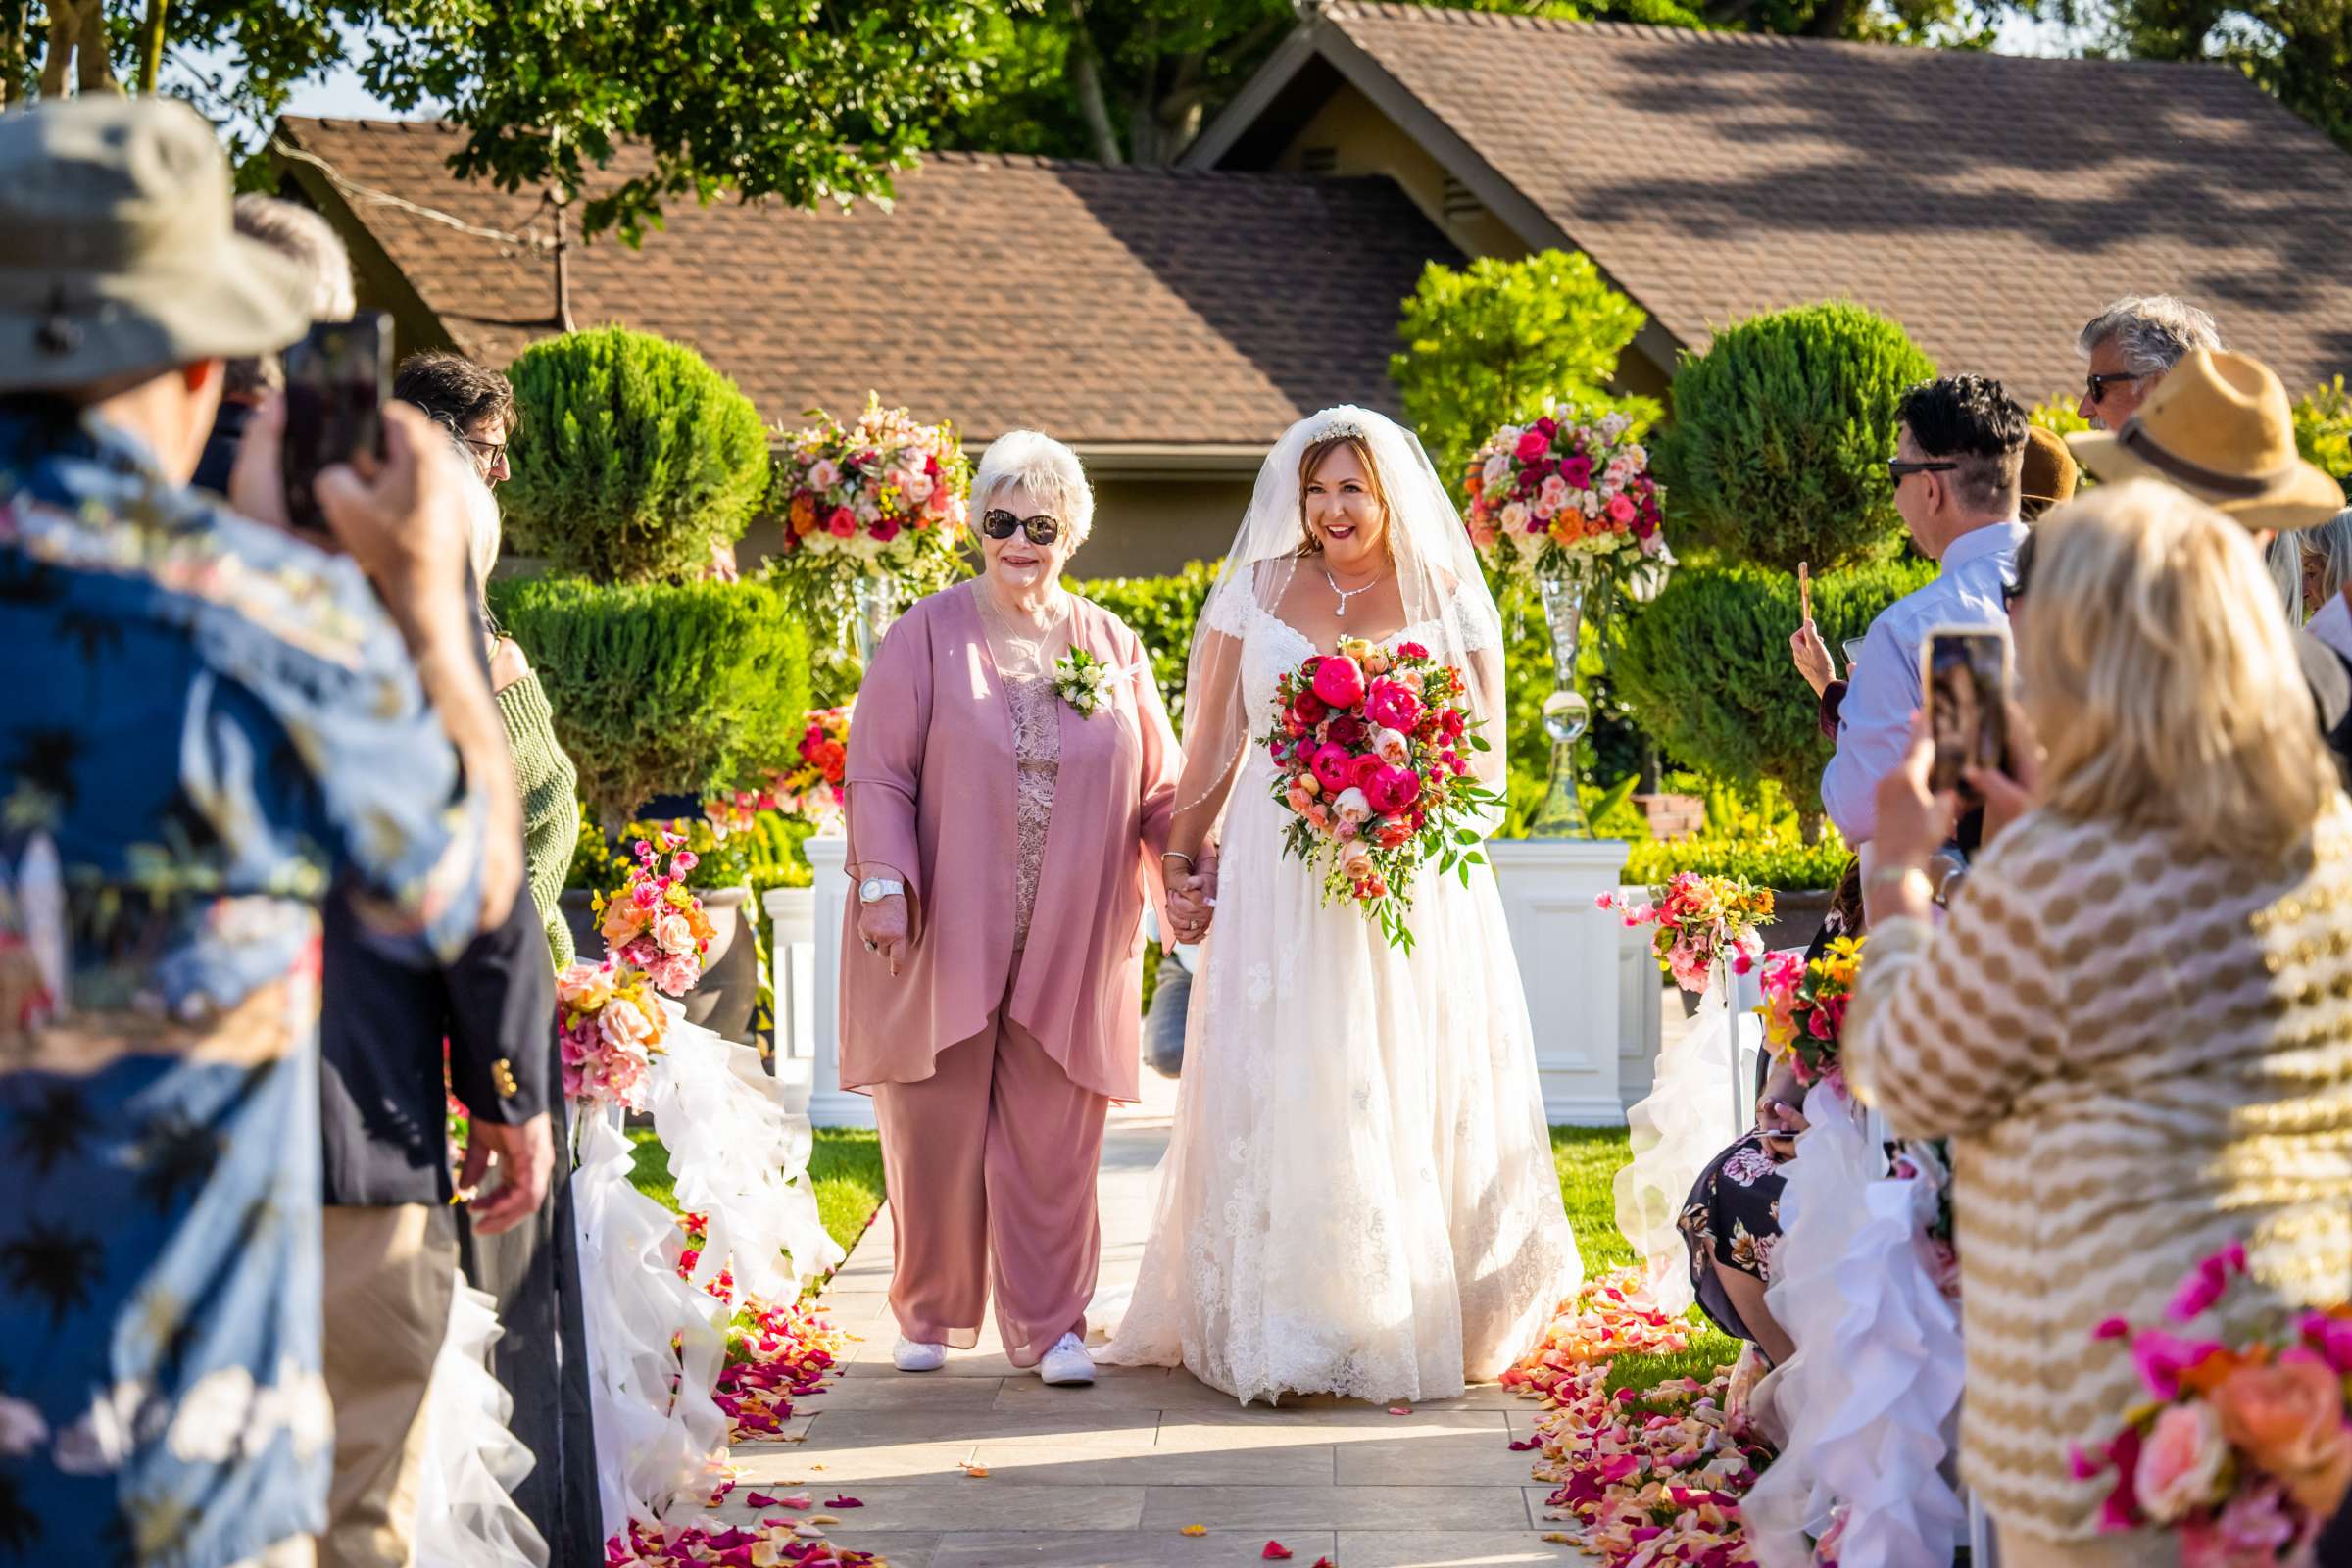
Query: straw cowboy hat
[2046,475]
[116,249]
[2218,427]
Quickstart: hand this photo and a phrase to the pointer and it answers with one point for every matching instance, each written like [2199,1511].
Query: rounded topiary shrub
[1781,434]
[1705,668]
[635,456]
[662,688]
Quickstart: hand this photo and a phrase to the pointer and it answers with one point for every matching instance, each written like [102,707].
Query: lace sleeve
[1231,607]
[1476,620]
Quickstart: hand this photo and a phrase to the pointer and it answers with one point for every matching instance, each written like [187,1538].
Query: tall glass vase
[874,605]
[1566,713]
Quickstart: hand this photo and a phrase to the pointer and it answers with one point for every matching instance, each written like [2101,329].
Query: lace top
[1037,757]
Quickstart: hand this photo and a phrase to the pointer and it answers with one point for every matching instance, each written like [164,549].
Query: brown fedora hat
[2219,427]
[2046,475]
[116,253]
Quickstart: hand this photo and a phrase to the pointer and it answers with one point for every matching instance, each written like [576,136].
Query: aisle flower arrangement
[1644,1479]
[814,788]
[1372,751]
[2244,1449]
[610,1026]
[1700,920]
[655,923]
[1569,494]
[1804,1006]
[885,497]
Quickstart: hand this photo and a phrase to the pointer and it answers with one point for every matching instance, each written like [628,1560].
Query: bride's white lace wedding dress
[1358,1197]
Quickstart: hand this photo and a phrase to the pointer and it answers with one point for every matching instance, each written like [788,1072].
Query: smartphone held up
[1965,673]
[338,380]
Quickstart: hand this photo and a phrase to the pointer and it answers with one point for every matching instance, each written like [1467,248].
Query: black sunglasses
[1041,529]
[2096,383]
[1898,468]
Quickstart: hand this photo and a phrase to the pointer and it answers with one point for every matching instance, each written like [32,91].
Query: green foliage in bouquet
[1705,667]
[1781,432]
[636,455]
[1487,344]
[661,687]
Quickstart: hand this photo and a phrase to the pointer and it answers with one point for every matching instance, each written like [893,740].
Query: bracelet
[1890,874]
[1177,855]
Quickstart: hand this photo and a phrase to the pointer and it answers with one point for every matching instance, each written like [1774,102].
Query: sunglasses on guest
[2096,384]
[1041,529]
[1900,469]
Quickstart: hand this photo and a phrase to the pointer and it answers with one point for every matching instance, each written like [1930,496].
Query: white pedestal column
[829,1104]
[791,979]
[1570,963]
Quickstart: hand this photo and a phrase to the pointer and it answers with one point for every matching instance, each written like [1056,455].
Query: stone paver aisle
[1111,1474]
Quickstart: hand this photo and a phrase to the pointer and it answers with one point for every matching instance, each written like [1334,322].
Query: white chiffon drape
[1358,1197]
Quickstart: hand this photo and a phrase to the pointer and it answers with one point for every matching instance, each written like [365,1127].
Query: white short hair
[311,243]
[2332,542]
[2153,331]
[1047,470]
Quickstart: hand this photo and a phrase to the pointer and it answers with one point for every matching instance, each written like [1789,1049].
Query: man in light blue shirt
[1955,471]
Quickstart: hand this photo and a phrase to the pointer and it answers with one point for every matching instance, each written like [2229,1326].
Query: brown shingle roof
[1100,305]
[1989,203]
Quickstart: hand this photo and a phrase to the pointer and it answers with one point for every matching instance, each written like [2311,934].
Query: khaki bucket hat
[116,253]
[2218,427]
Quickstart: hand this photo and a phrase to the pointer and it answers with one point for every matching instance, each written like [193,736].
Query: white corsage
[1083,681]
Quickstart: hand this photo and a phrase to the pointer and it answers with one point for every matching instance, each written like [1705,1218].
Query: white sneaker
[1068,1362]
[913,1355]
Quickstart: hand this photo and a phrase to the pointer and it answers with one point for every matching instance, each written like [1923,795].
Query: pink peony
[1532,445]
[842,524]
[1334,768]
[1339,682]
[1362,770]
[1392,705]
[1393,789]
[2180,1466]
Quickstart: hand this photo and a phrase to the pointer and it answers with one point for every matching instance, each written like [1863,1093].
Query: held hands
[883,926]
[1191,897]
[1812,656]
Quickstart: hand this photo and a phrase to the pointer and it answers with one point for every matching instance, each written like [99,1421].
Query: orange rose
[2289,1418]
[804,513]
[621,923]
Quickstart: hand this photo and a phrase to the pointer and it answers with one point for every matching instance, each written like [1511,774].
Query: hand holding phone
[338,380]
[1964,670]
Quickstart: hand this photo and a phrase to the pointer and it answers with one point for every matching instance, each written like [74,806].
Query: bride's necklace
[1345,594]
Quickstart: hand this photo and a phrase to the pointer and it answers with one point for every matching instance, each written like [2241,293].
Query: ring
[871,946]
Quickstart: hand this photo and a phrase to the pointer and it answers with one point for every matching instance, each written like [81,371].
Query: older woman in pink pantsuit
[1004,827]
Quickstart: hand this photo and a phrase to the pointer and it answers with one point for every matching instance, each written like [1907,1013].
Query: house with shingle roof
[1170,322]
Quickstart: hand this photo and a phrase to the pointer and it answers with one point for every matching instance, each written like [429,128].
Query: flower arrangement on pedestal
[811,788]
[2244,1449]
[873,512]
[655,923]
[1701,922]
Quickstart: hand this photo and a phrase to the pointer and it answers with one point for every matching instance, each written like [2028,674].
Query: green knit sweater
[550,812]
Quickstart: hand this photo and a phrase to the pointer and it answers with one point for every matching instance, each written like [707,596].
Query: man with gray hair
[2130,346]
[311,243]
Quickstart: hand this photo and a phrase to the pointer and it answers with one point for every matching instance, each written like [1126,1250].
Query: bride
[1359,1196]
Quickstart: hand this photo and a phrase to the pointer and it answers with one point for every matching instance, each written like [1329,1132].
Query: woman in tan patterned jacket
[2135,1025]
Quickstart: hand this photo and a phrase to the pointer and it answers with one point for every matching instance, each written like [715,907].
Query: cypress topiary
[1781,434]
[637,455]
[660,687]
[1705,668]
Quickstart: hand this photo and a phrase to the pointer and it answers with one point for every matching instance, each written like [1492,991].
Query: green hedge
[656,688]
[1705,668]
[1161,612]
[1774,862]
[1781,434]
[636,455]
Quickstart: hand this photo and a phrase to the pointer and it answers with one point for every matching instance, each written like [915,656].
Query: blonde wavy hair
[2160,677]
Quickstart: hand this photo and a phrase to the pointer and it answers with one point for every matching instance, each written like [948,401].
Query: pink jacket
[930,784]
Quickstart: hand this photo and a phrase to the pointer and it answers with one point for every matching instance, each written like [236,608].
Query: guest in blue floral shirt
[207,722]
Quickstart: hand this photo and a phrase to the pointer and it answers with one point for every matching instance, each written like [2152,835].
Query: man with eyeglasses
[2130,346]
[1960,444]
[474,403]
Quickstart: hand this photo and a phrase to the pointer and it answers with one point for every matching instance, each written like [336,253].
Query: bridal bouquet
[885,497]
[609,1025]
[1700,919]
[2244,1449]
[655,923]
[1804,1006]
[1568,495]
[1371,750]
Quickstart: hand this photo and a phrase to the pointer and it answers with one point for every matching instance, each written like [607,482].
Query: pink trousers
[989,1164]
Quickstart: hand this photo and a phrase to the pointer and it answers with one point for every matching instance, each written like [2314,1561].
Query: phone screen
[1966,676]
[338,380]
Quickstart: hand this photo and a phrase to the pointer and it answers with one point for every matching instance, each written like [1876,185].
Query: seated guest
[2184,854]
[1956,470]
[2130,346]
[184,790]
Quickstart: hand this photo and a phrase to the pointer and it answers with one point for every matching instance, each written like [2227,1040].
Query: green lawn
[847,1167]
